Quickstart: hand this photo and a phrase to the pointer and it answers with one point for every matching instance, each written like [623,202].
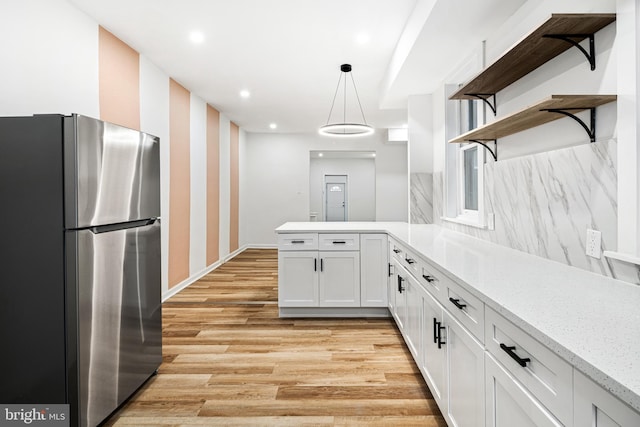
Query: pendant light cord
[358,98]
[334,97]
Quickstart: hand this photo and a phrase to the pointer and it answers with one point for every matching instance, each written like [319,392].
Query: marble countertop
[591,321]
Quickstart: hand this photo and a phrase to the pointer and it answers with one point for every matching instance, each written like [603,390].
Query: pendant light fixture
[346,129]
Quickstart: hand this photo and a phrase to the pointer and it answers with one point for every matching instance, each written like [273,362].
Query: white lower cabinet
[399,286]
[465,374]
[509,403]
[433,363]
[318,279]
[339,283]
[374,258]
[298,279]
[595,407]
[413,319]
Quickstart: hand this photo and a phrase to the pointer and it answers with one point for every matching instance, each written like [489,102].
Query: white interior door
[335,195]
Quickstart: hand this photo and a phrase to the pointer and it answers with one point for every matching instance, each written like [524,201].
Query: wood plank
[230,360]
[533,116]
[532,51]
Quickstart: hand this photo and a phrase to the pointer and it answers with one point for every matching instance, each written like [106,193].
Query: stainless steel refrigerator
[80,303]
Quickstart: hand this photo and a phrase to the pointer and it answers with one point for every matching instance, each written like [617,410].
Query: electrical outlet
[594,243]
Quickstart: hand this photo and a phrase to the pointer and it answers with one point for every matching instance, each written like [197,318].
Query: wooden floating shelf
[533,116]
[532,51]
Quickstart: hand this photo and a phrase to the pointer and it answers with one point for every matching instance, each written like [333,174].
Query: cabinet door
[374,263]
[509,404]
[413,327]
[400,285]
[339,279]
[433,363]
[465,370]
[298,279]
[595,407]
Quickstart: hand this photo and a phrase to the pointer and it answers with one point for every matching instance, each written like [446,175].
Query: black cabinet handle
[315,264]
[400,287]
[457,303]
[321,265]
[510,350]
[396,250]
[410,261]
[297,242]
[439,335]
[428,278]
[435,330]
[390,273]
[339,242]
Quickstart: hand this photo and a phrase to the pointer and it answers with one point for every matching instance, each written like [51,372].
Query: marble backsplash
[544,203]
[421,198]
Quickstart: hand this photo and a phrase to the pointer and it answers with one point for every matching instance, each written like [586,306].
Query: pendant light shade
[345,129]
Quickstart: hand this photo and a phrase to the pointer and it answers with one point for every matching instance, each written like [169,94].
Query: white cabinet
[413,320]
[398,287]
[595,407]
[339,275]
[298,279]
[374,269]
[433,363]
[510,404]
[465,373]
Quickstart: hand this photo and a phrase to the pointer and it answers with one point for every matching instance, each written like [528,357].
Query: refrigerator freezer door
[112,173]
[119,315]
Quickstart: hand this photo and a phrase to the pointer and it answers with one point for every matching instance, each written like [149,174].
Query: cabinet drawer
[466,308]
[339,242]
[432,280]
[298,242]
[544,374]
[411,262]
[396,251]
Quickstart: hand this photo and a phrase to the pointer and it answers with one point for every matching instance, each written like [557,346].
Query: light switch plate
[594,243]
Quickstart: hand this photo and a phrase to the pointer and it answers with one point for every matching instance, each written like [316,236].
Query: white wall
[154,119]
[420,124]
[361,186]
[275,180]
[49,59]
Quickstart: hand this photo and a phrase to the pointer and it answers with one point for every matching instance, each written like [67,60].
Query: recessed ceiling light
[196,37]
[362,38]
[245,93]
[320,154]
[373,154]
[273,126]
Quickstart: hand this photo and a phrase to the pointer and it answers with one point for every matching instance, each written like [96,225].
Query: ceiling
[287,53]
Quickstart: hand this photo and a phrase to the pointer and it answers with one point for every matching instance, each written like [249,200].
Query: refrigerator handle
[122,226]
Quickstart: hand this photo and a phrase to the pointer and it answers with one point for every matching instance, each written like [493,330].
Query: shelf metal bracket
[591,130]
[591,55]
[487,98]
[493,152]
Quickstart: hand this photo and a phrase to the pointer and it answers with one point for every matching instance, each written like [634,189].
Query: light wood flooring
[230,361]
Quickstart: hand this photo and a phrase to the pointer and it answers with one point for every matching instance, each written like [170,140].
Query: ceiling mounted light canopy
[345,129]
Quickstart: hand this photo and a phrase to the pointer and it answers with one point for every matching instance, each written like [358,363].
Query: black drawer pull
[297,242]
[456,302]
[435,330]
[390,272]
[321,264]
[429,278]
[410,261]
[396,250]
[315,264]
[510,350]
[339,242]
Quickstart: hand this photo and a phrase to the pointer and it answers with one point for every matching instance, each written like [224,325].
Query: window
[464,180]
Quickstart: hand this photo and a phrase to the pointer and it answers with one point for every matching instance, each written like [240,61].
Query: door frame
[335,179]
